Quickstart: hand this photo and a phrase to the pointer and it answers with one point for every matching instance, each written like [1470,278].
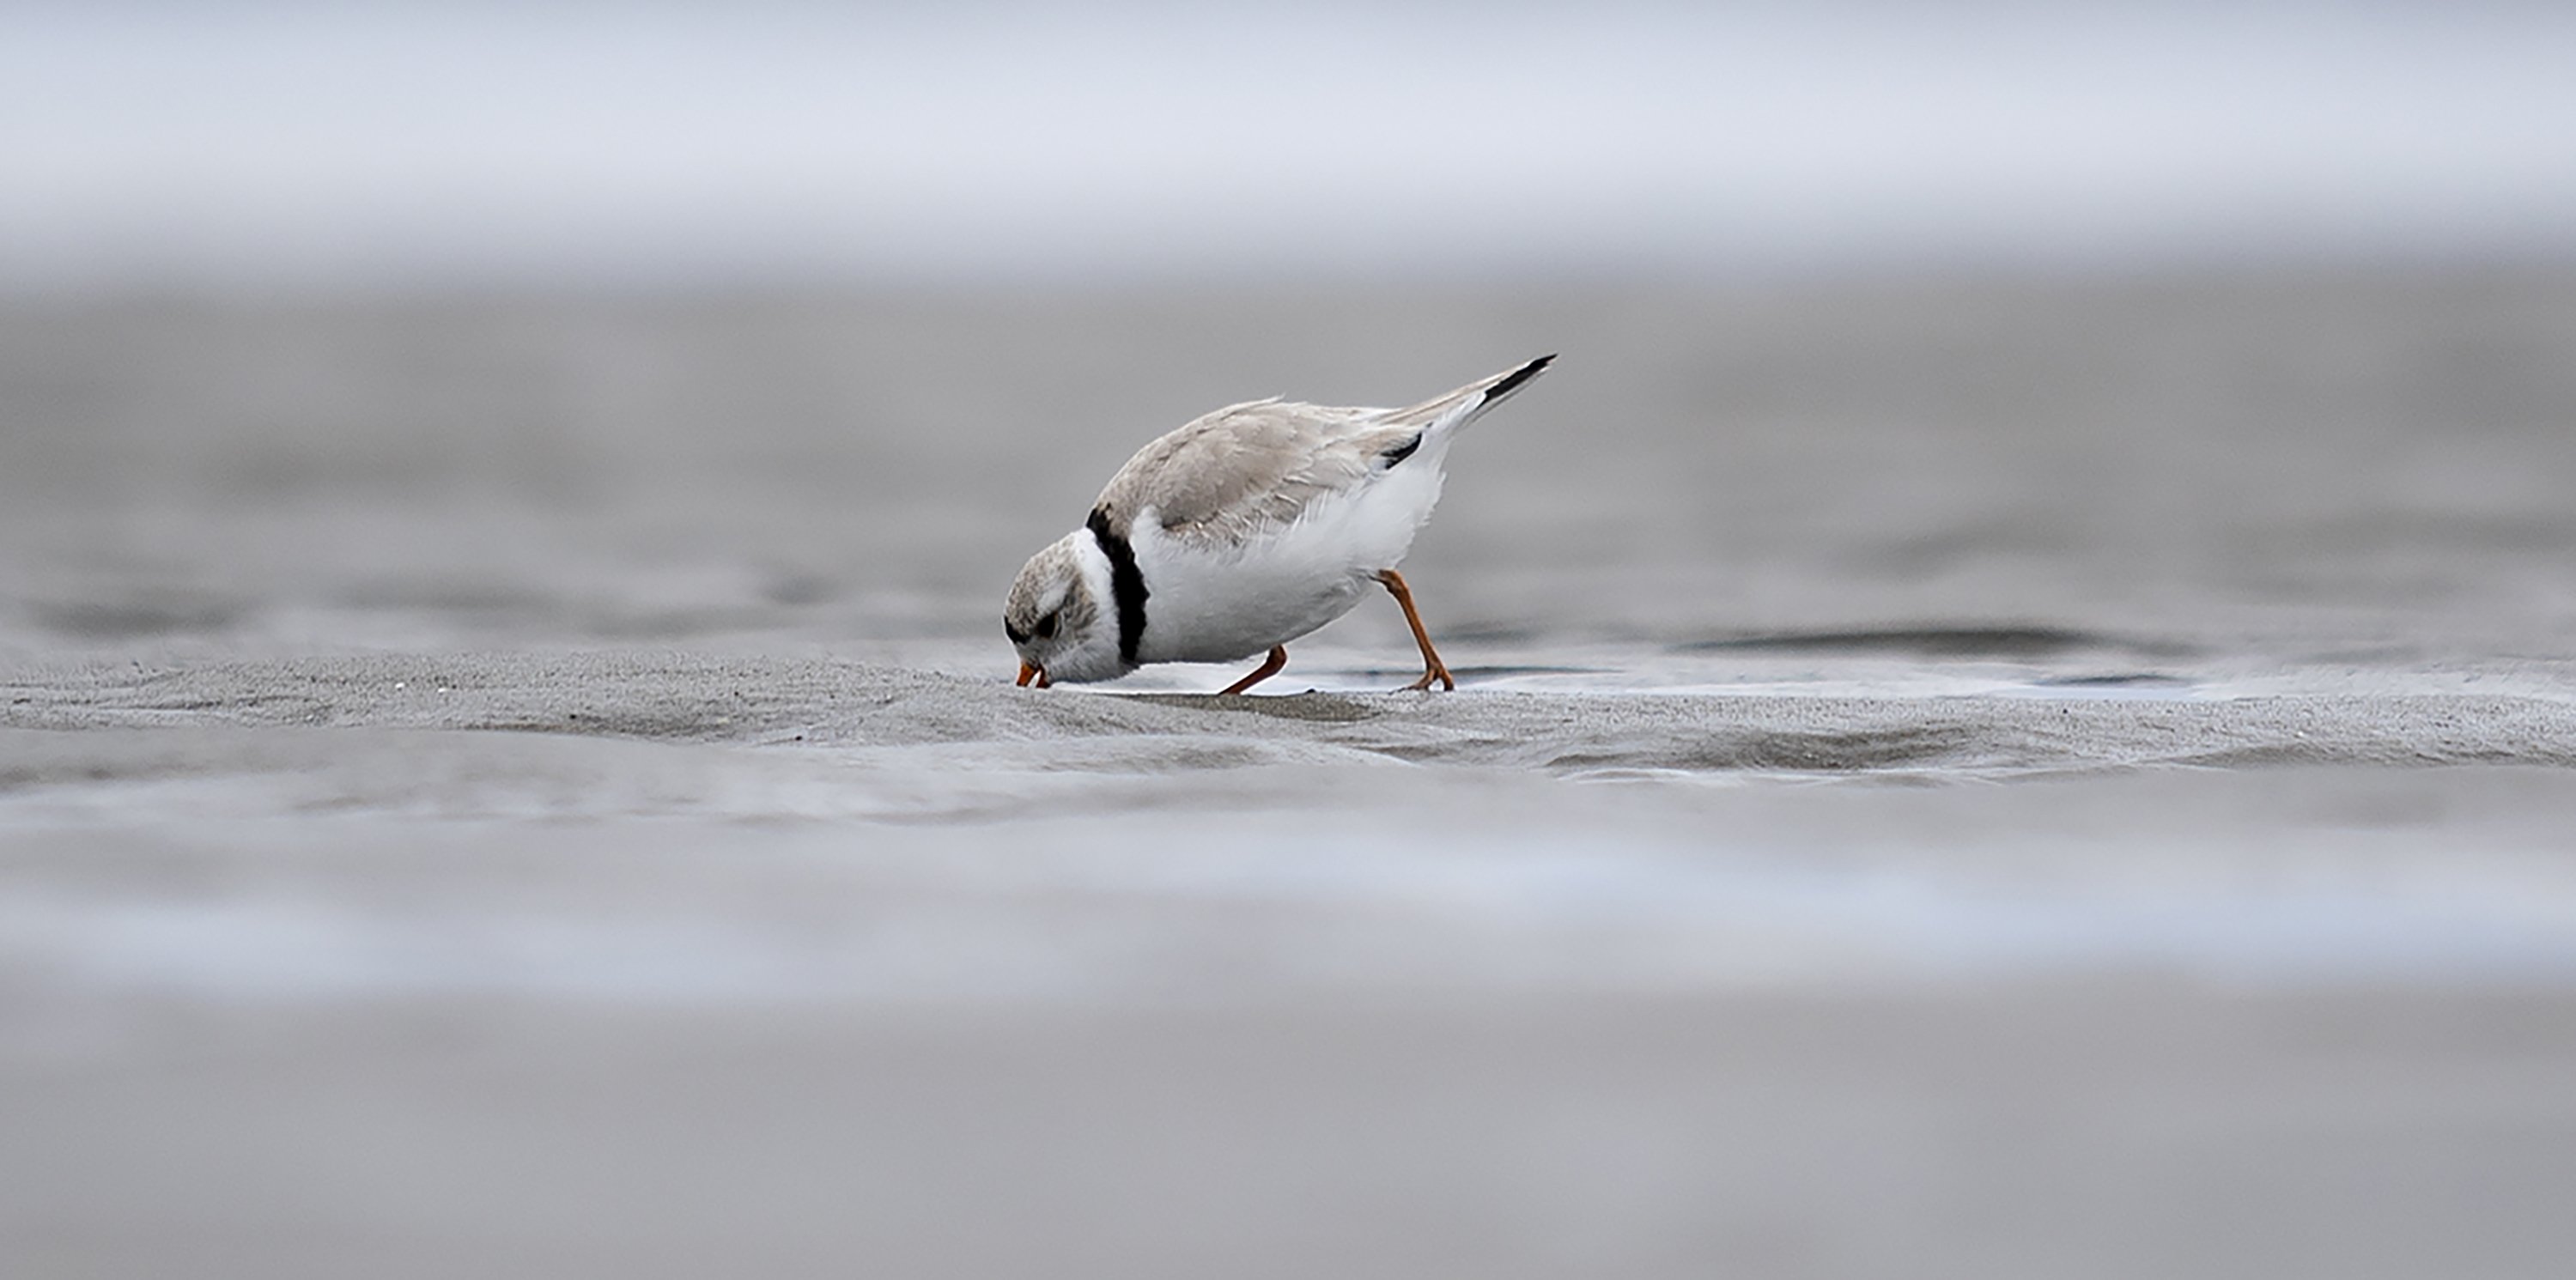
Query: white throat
[1097,578]
[1096,657]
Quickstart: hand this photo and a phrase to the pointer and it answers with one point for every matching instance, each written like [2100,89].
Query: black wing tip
[1512,381]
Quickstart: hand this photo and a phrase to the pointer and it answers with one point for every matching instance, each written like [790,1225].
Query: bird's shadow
[1331,708]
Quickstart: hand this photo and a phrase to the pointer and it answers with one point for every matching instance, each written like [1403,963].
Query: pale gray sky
[398,143]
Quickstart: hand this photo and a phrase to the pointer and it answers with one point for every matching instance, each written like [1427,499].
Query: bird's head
[1055,616]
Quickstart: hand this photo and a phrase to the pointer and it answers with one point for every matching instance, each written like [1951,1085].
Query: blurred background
[400,322]
[1996,395]
[280,147]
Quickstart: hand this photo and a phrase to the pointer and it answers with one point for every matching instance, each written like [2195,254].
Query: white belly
[1219,605]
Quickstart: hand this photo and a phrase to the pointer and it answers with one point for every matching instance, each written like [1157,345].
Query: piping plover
[1240,532]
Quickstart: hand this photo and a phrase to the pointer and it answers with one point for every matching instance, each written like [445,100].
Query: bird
[1241,531]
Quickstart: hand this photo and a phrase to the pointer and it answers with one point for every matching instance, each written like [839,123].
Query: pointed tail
[1467,403]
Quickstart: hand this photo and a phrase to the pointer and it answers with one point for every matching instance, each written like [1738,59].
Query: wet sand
[1953,778]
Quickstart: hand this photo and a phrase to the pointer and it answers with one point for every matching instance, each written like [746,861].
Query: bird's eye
[1017,636]
[1046,626]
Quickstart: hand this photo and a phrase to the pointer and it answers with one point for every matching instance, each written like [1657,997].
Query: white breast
[1219,603]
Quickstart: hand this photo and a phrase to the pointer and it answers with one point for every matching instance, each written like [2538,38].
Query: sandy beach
[1954,776]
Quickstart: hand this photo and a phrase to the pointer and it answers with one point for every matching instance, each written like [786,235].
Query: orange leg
[1270,667]
[1432,667]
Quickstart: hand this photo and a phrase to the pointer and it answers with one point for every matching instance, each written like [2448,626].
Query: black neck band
[1126,583]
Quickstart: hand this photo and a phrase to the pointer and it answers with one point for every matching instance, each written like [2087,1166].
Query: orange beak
[1028,673]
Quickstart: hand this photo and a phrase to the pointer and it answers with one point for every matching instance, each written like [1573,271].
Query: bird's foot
[1437,672]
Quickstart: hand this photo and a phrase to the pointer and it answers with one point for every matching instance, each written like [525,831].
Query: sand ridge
[677,697]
